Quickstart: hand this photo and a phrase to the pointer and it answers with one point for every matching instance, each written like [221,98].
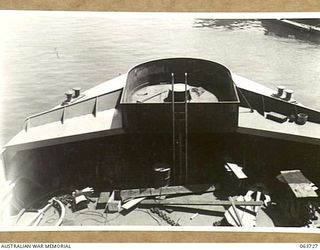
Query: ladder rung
[179,107]
[180,118]
[180,124]
[180,113]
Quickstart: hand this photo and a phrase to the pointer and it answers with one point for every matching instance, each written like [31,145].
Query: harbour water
[43,54]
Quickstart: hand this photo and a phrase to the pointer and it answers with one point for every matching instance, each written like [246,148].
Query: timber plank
[132,203]
[201,203]
[298,183]
[237,171]
[302,190]
[170,190]
[294,176]
[103,199]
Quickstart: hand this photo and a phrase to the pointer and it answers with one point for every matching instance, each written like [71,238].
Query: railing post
[63,115]
[26,125]
[95,108]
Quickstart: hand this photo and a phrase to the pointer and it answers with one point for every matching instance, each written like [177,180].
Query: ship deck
[251,123]
[255,124]
[159,93]
[143,215]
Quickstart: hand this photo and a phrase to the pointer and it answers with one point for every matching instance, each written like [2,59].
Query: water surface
[42,55]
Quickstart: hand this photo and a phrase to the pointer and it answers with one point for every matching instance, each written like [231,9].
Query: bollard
[76,92]
[289,94]
[69,95]
[280,91]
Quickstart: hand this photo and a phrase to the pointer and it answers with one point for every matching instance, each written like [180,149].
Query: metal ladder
[180,135]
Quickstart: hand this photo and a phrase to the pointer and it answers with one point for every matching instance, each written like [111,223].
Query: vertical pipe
[173,131]
[180,159]
[186,125]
